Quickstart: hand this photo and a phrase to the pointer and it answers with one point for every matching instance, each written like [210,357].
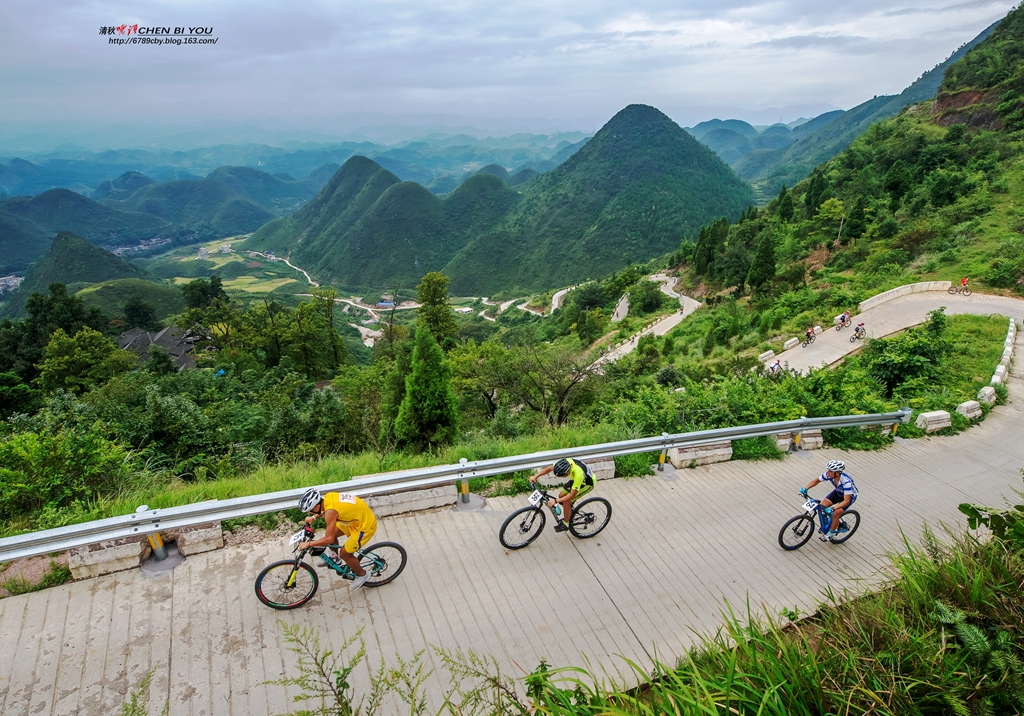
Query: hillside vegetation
[632,192]
[769,169]
[73,261]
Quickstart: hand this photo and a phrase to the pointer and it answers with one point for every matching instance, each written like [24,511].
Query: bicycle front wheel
[282,585]
[795,533]
[851,519]
[853,338]
[522,527]
[384,561]
[967,291]
[951,290]
[590,517]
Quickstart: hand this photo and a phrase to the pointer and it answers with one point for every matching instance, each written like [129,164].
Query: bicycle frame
[307,533]
[824,514]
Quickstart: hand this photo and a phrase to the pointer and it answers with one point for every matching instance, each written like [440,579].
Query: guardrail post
[155,540]
[664,452]
[463,481]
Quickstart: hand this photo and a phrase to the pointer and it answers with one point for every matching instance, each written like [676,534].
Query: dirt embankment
[973,108]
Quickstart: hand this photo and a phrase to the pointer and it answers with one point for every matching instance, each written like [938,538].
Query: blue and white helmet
[835,466]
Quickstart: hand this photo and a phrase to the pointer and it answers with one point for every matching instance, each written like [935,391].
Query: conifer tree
[762,268]
[435,311]
[428,416]
[785,205]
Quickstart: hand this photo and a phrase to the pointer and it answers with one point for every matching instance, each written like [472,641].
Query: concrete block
[996,380]
[1000,371]
[969,409]
[700,454]
[791,343]
[766,356]
[987,394]
[783,441]
[810,440]
[602,467]
[933,420]
[196,539]
[396,503]
[817,330]
[107,557]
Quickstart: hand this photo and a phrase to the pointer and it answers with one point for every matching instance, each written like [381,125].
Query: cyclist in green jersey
[580,482]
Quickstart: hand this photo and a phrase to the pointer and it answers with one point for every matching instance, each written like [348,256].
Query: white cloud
[573,62]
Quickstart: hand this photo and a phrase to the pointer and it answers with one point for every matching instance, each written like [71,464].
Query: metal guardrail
[149,521]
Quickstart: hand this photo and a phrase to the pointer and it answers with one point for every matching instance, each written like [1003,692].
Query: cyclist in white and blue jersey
[843,495]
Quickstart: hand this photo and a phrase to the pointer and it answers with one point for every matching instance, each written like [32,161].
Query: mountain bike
[523,526]
[798,530]
[808,340]
[843,322]
[858,333]
[291,583]
[957,288]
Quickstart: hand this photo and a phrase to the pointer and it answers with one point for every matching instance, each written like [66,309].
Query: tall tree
[393,392]
[435,311]
[22,342]
[428,416]
[785,205]
[139,314]
[813,197]
[81,362]
[762,268]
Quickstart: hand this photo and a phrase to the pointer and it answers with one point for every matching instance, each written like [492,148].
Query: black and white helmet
[310,499]
[835,466]
[561,468]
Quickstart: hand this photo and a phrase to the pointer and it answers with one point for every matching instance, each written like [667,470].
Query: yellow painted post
[155,540]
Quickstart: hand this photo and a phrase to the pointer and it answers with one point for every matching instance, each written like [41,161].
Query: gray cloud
[315,65]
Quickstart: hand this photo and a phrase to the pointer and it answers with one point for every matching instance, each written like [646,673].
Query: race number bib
[346,497]
[535,498]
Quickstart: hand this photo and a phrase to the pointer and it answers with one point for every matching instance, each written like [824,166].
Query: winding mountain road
[893,316]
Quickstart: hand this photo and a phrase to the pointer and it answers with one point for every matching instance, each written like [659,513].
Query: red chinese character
[121,29]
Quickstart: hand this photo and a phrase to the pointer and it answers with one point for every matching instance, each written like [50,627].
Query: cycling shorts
[584,489]
[357,539]
[836,497]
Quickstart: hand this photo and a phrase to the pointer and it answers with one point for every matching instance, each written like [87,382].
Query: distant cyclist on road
[345,514]
[860,330]
[809,334]
[580,482]
[963,282]
[775,367]
[843,495]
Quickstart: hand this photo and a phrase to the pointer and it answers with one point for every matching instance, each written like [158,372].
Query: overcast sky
[330,65]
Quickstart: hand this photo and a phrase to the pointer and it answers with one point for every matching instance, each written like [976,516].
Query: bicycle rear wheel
[795,533]
[966,291]
[590,517]
[282,585]
[522,527]
[951,290]
[852,520]
[384,561]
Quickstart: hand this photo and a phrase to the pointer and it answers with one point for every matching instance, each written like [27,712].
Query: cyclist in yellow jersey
[345,514]
[580,482]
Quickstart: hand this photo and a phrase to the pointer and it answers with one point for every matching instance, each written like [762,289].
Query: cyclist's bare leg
[349,559]
[566,506]
[837,513]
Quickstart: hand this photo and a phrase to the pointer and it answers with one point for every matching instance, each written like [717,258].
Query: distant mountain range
[630,193]
[133,207]
[446,159]
[779,155]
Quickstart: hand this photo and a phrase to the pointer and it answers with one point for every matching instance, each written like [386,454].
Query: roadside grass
[18,584]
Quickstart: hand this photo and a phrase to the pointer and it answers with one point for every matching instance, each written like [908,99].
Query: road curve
[893,316]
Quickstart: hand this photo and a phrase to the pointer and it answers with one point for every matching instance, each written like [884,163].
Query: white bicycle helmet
[311,498]
[835,466]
